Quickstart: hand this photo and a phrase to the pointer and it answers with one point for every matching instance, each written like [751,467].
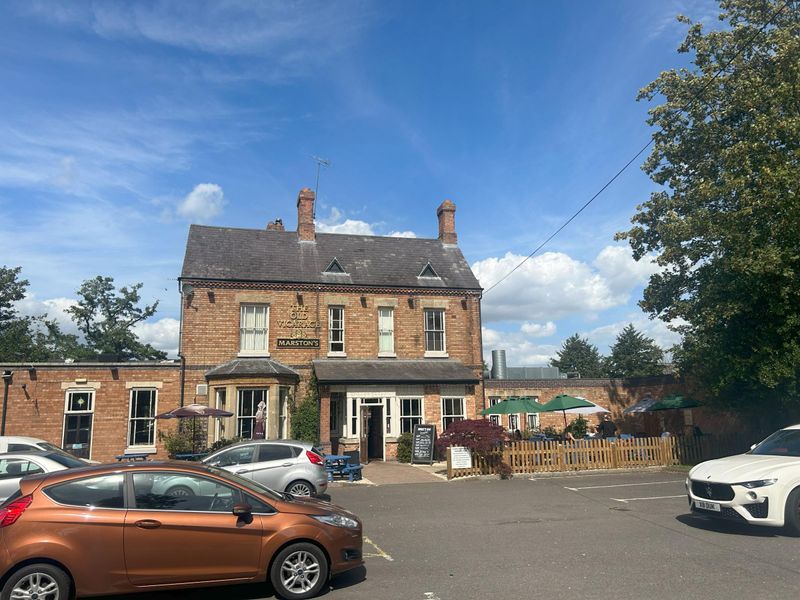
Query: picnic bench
[339,465]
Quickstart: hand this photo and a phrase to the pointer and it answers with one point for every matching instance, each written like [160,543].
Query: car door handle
[148,524]
[286,465]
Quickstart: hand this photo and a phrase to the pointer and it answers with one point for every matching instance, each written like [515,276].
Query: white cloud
[54,309]
[538,329]
[520,351]
[162,334]
[203,203]
[554,285]
[337,223]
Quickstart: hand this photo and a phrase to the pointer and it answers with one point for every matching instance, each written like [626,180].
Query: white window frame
[435,353]
[240,418]
[386,330]
[411,417]
[513,422]
[492,401]
[67,412]
[131,445]
[331,351]
[254,330]
[532,423]
[283,413]
[452,417]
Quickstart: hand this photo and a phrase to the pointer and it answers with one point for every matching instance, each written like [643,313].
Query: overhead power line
[696,97]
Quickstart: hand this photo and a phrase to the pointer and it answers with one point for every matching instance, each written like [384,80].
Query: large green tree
[106,317]
[577,355]
[25,338]
[726,224]
[634,355]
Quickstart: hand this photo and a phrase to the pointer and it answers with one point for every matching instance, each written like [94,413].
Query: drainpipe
[7,378]
[180,342]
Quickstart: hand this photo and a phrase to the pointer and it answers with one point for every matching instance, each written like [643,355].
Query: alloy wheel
[36,586]
[300,572]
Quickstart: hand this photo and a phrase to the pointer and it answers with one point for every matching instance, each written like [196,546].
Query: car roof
[307,445]
[120,467]
[21,438]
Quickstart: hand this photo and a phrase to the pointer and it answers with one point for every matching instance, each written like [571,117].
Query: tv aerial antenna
[321,162]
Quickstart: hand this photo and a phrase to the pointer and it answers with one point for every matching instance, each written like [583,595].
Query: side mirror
[243,511]
[753,447]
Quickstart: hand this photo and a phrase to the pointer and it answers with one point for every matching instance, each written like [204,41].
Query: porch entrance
[371,438]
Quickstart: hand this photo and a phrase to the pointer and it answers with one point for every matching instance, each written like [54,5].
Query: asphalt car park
[602,535]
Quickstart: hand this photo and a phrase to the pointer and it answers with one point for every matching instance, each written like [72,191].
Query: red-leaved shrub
[479,435]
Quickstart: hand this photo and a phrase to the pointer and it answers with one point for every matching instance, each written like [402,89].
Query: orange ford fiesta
[114,529]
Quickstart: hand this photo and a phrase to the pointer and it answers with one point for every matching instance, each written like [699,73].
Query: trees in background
[634,355]
[106,318]
[725,224]
[577,355]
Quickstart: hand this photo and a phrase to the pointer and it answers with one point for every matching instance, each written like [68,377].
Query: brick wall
[37,410]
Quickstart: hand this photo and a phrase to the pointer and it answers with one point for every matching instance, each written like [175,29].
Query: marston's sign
[298,342]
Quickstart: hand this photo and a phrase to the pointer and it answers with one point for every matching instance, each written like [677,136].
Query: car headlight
[757,484]
[337,521]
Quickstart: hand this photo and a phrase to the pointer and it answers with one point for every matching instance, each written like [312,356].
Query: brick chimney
[447,222]
[305,216]
[276,225]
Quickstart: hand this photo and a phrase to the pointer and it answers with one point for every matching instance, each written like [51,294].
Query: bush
[504,470]
[179,440]
[404,448]
[305,416]
[219,444]
[479,435]
[578,427]
[550,431]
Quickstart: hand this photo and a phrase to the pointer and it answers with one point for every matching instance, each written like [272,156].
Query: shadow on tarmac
[728,527]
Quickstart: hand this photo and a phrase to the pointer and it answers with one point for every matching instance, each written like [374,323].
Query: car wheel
[300,488]
[299,571]
[792,513]
[41,581]
[180,491]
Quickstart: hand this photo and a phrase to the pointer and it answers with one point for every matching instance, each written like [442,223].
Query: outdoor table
[133,456]
[339,464]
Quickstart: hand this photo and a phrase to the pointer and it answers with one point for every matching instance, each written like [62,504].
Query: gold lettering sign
[298,321]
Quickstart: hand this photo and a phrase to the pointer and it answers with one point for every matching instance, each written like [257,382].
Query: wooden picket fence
[589,455]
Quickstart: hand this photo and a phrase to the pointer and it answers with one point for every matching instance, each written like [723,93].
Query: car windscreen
[65,459]
[785,442]
[247,483]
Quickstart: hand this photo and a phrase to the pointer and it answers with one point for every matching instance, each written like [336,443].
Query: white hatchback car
[16,465]
[761,487]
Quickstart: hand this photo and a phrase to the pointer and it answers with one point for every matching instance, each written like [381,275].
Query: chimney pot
[305,216]
[447,222]
[276,225]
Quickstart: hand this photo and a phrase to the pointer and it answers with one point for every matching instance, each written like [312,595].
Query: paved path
[385,473]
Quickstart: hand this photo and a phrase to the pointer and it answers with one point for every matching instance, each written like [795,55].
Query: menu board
[422,444]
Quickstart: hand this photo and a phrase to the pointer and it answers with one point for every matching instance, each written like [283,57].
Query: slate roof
[222,253]
[392,371]
[250,367]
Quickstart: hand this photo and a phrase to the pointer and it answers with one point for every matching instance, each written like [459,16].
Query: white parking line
[597,487]
[626,500]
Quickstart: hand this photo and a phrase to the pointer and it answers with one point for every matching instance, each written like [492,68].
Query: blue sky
[124,122]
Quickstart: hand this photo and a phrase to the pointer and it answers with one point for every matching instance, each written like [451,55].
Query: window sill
[436,355]
[337,355]
[387,355]
[263,354]
[140,450]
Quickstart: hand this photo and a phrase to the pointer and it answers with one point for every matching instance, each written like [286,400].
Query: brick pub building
[390,327]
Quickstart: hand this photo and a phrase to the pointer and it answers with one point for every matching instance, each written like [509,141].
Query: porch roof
[252,367]
[393,371]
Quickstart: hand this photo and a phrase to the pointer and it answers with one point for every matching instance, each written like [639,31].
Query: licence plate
[707,505]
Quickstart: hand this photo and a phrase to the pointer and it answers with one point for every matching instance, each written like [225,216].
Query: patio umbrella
[512,406]
[674,401]
[565,402]
[643,405]
[587,410]
[194,411]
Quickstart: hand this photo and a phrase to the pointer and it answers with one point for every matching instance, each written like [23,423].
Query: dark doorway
[375,436]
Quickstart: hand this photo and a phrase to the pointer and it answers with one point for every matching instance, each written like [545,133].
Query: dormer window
[428,272]
[334,267]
